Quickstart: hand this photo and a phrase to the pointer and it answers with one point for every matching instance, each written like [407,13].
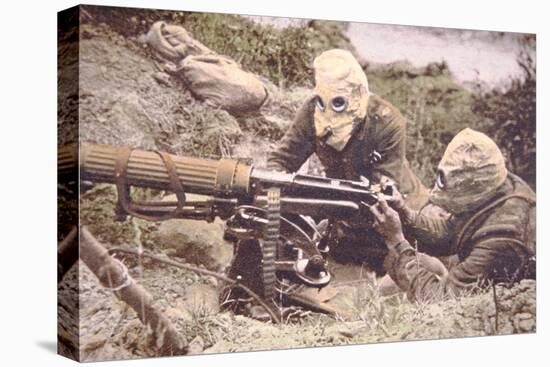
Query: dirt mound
[386,319]
[126,100]
[110,330]
[67,89]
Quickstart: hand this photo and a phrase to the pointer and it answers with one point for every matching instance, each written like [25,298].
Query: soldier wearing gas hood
[353,131]
[491,227]
[355,134]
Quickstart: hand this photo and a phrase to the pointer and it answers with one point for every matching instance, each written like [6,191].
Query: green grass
[435,107]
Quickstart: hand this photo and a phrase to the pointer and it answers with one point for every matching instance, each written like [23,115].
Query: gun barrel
[147,169]
[223,178]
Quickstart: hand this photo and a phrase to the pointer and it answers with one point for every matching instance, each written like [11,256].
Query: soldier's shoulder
[508,218]
[520,198]
[304,115]
[510,215]
[309,102]
[520,187]
[381,110]
[308,107]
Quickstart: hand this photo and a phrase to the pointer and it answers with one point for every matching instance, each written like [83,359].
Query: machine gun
[274,243]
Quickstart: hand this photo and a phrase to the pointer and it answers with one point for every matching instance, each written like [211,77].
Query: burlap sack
[216,79]
[173,43]
[222,83]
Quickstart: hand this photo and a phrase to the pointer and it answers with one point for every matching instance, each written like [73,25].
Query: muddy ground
[125,98]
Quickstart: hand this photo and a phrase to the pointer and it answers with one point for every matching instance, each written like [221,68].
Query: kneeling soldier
[491,227]
[355,134]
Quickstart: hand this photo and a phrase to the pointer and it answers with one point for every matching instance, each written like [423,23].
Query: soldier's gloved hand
[397,200]
[394,197]
[387,222]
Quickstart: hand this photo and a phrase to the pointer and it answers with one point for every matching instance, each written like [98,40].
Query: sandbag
[173,43]
[216,79]
[222,83]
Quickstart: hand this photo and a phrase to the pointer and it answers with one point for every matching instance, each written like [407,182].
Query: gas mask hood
[470,173]
[341,97]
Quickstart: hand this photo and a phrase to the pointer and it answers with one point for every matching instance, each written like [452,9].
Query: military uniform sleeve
[403,265]
[297,144]
[487,258]
[390,143]
[433,231]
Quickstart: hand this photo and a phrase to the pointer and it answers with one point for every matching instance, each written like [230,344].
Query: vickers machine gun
[275,247]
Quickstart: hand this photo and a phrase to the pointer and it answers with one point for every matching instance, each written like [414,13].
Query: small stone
[201,243]
[527,284]
[259,313]
[525,322]
[95,343]
[347,333]
[196,346]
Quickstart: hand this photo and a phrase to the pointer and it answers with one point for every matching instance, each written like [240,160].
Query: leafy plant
[513,115]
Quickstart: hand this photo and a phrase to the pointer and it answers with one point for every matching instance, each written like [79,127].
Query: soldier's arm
[297,144]
[390,139]
[422,283]
[432,228]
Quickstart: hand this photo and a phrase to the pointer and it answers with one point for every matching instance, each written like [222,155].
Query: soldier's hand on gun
[397,200]
[387,222]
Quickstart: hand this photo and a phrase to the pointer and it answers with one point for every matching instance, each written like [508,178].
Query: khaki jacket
[493,245]
[383,131]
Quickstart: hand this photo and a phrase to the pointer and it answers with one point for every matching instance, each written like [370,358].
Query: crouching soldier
[491,227]
[356,134]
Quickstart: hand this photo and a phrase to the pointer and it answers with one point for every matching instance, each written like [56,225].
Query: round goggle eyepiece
[338,104]
[440,180]
[319,103]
